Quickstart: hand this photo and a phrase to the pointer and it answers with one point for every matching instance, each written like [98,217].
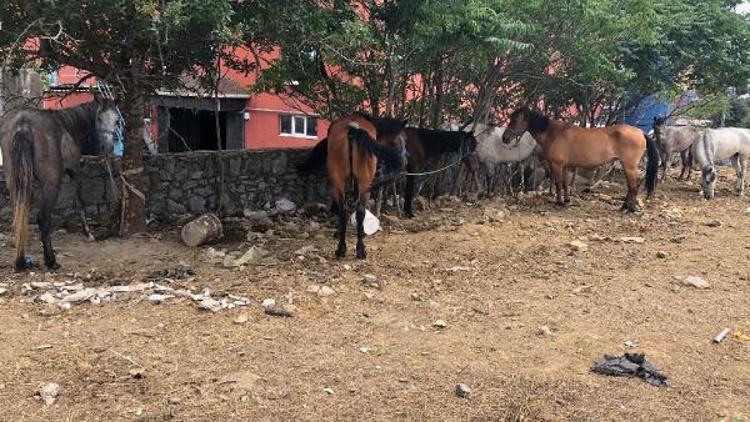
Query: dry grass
[494,284]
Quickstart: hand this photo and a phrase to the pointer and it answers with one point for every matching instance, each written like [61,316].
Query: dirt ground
[369,353]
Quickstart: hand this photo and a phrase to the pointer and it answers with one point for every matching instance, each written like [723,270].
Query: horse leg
[411,181]
[743,163]
[631,175]
[565,187]
[44,220]
[664,162]
[558,172]
[338,191]
[81,205]
[739,168]
[687,163]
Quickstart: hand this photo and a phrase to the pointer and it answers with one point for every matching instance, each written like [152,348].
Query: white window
[304,126]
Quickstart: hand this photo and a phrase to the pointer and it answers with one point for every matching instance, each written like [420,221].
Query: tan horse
[353,155]
[568,146]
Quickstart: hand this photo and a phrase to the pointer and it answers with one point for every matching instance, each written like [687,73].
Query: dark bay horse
[356,146]
[422,144]
[568,146]
[41,145]
[671,139]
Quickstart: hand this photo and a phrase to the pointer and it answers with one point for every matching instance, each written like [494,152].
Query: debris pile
[630,365]
[65,294]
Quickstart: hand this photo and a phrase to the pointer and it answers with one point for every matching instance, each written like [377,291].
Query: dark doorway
[195,130]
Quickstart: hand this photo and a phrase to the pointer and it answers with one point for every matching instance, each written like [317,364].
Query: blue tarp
[643,114]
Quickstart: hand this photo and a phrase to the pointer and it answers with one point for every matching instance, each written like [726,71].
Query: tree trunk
[204,229]
[437,105]
[133,177]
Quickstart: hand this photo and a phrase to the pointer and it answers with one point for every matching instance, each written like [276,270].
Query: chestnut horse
[568,146]
[353,155]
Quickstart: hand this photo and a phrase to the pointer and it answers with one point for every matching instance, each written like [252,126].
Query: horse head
[659,123]
[708,181]
[107,118]
[524,120]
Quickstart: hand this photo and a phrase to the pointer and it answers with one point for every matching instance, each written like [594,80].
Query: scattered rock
[179,272]
[48,393]
[632,239]
[268,303]
[3,290]
[258,220]
[285,206]
[210,304]
[326,291]
[159,298]
[747,211]
[545,331]
[697,282]
[287,311]
[463,391]
[679,239]
[440,324]
[494,216]
[662,254]
[578,246]
[372,281]
[713,223]
[137,373]
[630,343]
[329,391]
[214,256]
[254,255]
[241,318]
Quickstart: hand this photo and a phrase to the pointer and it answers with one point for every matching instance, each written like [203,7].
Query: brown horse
[568,146]
[42,146]
[353,155]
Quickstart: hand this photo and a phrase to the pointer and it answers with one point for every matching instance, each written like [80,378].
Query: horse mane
[383,125]
[80,122]
[438,142]
[538,122]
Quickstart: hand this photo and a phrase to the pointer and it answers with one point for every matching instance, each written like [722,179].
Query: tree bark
[133,178]
[204,229]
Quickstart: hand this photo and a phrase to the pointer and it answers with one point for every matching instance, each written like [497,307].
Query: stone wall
[188,183]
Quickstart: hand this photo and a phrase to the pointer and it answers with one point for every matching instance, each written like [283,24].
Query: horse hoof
[560,205]
[53,266]
[630,207]
[90,238]
[362,255]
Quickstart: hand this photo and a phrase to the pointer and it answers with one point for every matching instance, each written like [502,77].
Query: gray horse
[41,145]
[722,144]
[671,139]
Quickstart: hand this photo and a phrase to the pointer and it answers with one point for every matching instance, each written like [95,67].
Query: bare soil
[377,351]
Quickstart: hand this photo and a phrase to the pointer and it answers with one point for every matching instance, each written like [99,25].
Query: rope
[463,153]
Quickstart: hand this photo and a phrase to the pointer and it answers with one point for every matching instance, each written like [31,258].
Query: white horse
[722,144]
[491,151]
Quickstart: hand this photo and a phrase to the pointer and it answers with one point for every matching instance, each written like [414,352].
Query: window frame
[295,131]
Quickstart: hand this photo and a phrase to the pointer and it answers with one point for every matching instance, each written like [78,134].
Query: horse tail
[316,159]
[390,158]
[652,166]
[22,175]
